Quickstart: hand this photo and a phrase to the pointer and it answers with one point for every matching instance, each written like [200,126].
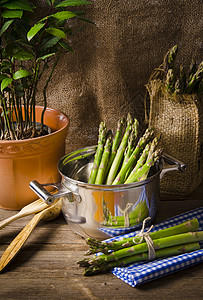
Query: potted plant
[32,138]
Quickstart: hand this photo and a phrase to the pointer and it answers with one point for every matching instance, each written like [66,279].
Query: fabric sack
[178,118]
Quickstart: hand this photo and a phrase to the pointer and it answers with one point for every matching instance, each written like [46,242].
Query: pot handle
[171,164]
[50,198]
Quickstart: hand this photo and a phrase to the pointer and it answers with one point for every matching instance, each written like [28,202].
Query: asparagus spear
[142,158]
[134,156]
[175,240]
[170,81]
[106,211]
[131,140]
[169,59]
[146,155]
[104,161]
[192,85]
[139,213]
[131,144]
[170,251]
[120,152]
[193,69]
[102,246]
[132,222]
[144,170]
[99,152]
[117,222]
[180,82]
[200,88]
[115,144]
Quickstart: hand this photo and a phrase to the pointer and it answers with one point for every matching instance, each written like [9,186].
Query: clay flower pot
[25,160]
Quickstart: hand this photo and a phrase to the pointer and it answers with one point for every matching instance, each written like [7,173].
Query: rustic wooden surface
[46,268]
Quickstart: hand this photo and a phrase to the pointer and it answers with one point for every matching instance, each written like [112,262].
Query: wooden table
[46,268]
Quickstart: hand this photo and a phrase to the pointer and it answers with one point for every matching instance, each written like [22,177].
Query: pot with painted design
[37,157]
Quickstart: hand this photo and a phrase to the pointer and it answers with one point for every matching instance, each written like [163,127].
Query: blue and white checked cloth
[139,273]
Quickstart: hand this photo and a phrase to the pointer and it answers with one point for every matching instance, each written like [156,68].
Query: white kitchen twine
[126,214]
[148,240]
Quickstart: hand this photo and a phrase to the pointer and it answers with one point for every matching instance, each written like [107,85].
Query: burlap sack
[179,121]
[105,77]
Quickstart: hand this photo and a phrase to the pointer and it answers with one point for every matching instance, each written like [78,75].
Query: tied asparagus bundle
[124,158]
[174,240]
[180,82]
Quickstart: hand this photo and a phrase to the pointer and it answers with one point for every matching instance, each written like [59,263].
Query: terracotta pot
[21,161]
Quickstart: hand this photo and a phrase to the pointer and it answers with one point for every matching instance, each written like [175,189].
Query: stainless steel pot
[102,211]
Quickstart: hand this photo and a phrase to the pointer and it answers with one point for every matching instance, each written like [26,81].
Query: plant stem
[45,90]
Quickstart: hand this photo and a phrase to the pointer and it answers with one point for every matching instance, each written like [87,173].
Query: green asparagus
[161,253]
[166,242]
[120,152]
[170,81]
[194,82]
[104,246]
[169,59]
[115,144]
[146,156]
[134,156]
[144,170]
[193,69]
[180,83]
[131,145]
[134,218]
[99,152]
[104,161]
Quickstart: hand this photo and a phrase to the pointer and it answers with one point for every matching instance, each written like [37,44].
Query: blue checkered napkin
[139,273]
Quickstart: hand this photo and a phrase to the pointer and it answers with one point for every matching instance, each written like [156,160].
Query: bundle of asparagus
[124,158]
[139,213]
[181,83]
[174,240]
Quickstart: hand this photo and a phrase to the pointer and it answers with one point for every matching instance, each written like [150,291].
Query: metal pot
[102,211]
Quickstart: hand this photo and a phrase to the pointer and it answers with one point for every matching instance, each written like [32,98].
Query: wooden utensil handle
[18,242]
[10,219]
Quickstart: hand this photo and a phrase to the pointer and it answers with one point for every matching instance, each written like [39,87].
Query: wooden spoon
[27,210]
[47,214]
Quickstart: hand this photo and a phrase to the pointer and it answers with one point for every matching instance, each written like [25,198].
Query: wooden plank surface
[46,268]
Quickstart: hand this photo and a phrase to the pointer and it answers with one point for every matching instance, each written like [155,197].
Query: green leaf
[21,74]
[50,43]
[34,30]
[18,4]
[86,20]
[5,26]
[66,46]
[63,15]
[9,14]
[6,63]
[56,32]
[45,56]
[5,82]
[72,3]
[2,76]
[3,1]
[23,55]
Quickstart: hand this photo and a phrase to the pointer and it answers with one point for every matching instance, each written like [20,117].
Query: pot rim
[105,186]
[7,142]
